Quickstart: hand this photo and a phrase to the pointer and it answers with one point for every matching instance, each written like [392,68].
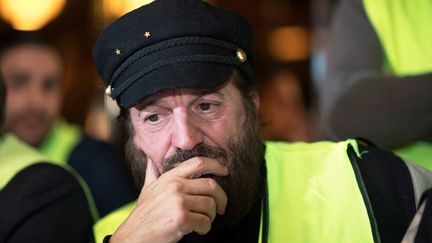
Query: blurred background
[290,41]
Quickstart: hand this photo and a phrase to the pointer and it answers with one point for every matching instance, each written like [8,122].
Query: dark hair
[15,39]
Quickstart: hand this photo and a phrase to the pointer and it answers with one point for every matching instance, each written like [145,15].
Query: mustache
[201,150]
[31,113]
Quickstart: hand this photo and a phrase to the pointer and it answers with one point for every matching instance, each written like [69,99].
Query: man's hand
[175,203]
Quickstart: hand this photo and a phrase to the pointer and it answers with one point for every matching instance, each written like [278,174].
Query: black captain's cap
[171,44]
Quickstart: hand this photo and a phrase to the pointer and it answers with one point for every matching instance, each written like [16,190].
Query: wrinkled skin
[180,197]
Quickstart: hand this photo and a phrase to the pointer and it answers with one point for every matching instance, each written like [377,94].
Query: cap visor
[176,76]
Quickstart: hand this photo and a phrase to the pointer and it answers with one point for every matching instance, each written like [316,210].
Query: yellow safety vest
[404,30]
[314,194]
[16,156]
[108,224]
[60,142]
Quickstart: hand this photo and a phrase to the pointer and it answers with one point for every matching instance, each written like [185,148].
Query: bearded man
[33,70]
[181,71]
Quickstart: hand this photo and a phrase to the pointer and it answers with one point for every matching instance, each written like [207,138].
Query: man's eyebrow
[218,93]
[18,72]
[145,103]
[200,93]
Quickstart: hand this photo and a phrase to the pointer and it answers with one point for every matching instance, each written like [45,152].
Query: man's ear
[256,99]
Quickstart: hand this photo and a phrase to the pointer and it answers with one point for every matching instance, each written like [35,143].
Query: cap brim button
[241,55]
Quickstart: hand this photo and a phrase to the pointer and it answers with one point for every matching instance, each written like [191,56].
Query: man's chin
[33,138]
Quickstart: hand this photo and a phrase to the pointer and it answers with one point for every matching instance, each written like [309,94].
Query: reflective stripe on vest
[16,156]
[405,32]
[313,196]
[60,142]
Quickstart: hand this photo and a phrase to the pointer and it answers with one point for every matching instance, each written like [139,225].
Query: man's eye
[19,81]
[49,85]
[153,118]
[205,106]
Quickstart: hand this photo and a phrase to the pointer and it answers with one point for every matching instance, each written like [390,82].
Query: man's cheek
[139,143]
[157,165]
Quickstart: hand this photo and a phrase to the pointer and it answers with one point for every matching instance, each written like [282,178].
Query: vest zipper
[354,159]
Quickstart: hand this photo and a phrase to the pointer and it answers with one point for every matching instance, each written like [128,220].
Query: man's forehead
[176,92]
[30,48]
[31,55]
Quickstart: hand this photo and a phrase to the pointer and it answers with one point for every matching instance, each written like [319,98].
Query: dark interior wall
[265,15]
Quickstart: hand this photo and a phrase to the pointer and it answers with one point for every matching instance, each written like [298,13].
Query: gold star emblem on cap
[147,34]
[118,52]
[241,55]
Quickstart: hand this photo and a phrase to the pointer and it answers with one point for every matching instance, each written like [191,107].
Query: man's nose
[36,96]
[186,134]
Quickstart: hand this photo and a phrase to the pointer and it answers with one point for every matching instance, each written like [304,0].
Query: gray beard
[244,158]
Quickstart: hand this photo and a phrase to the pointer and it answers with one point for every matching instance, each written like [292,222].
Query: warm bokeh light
[288,43]
[30,14]
[117,8]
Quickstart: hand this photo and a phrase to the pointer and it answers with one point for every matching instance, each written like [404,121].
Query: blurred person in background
[282,110]
[39,200]
[34,71]
[379,78]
